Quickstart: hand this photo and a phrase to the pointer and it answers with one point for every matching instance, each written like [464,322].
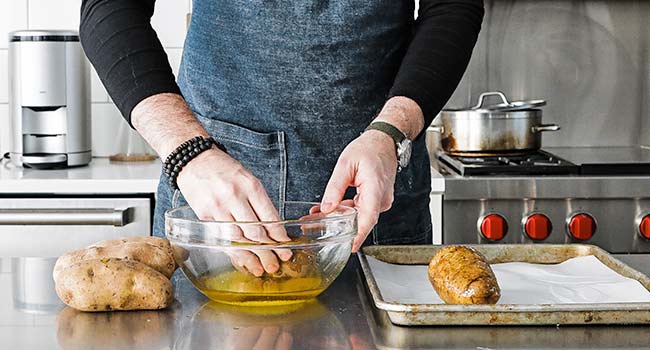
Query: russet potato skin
[159,242]
[301,264]
[153,256]
[462,275]
[113,284]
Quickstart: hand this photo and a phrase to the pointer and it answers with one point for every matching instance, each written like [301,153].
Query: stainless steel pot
[506,127]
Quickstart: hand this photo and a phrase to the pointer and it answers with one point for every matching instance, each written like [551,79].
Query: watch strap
[395,133]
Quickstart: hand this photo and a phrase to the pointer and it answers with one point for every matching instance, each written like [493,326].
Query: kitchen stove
[597,196]
[540,162]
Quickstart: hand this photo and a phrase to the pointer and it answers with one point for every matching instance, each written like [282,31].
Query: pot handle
[482,97]
[437,128]
[545,127]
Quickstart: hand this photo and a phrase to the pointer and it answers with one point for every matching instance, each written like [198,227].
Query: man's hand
[219,188]
[369,163]
[215,185]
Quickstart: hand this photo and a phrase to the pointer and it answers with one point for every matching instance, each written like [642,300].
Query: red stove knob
[493,227]
[538,227]
[582,226]
[644,226]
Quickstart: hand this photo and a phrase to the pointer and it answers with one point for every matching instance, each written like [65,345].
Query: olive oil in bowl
[241,288]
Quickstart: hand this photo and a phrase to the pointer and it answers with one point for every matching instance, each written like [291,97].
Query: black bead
[186,159]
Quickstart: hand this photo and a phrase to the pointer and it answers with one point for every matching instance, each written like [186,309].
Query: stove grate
[538,163]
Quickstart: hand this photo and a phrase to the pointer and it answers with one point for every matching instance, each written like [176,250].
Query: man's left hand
[369,164]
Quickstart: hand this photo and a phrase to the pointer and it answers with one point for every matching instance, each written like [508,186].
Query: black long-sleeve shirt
[118,39]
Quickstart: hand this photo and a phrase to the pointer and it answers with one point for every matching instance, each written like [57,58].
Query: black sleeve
[119,41]
[439,52]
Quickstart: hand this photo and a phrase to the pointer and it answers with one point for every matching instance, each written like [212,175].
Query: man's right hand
[219,188]
[216,186]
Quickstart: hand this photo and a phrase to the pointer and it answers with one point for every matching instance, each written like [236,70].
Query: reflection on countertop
[305,326]
[192,322]
[341,318]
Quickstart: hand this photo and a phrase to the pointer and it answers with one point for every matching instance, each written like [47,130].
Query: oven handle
[67,216]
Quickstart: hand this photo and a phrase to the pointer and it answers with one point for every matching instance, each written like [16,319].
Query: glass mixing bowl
[224,259]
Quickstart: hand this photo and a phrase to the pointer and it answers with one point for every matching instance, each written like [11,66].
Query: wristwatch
[402,142]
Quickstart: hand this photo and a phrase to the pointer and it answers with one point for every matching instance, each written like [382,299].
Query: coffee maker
[49,100]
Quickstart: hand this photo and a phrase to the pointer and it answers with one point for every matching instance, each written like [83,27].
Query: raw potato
[461,275]
[156,241]
[180,254]
[301,264]
[113,284]
[153,256]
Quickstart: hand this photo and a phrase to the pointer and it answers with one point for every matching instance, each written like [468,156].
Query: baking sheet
[409,314]
[583,279]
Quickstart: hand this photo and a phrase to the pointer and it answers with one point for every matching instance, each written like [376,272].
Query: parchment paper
[578,280]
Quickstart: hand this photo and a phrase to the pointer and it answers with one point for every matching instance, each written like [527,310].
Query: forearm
[444,37]
[403,113]
[119,41]
[165,121]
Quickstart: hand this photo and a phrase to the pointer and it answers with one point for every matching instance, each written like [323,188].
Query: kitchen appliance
[591,195]
[49,99]
[540,162]
[504,127]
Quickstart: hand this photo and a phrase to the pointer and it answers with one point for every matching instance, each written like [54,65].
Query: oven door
[49,227]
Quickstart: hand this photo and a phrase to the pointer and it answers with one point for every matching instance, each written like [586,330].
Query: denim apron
[286,85]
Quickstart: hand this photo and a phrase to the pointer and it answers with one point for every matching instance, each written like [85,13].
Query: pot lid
[505,105]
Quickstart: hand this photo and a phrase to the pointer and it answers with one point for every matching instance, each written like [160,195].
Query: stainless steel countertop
[341,318]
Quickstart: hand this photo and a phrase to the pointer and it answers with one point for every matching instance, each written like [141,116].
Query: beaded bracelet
[184,153]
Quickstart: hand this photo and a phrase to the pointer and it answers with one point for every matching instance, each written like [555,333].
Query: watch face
[404,152]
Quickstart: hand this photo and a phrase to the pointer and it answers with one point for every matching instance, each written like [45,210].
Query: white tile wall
[4,88]
[13,16]
[4,128]
[98,91]
[168,20]
[59,14]
[5,265]
[174,56]
[105,125]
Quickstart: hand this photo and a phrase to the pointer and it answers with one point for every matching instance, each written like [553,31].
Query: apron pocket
[263,154]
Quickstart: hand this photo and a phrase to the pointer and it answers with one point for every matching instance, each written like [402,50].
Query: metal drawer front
[49,227]
[81,216]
